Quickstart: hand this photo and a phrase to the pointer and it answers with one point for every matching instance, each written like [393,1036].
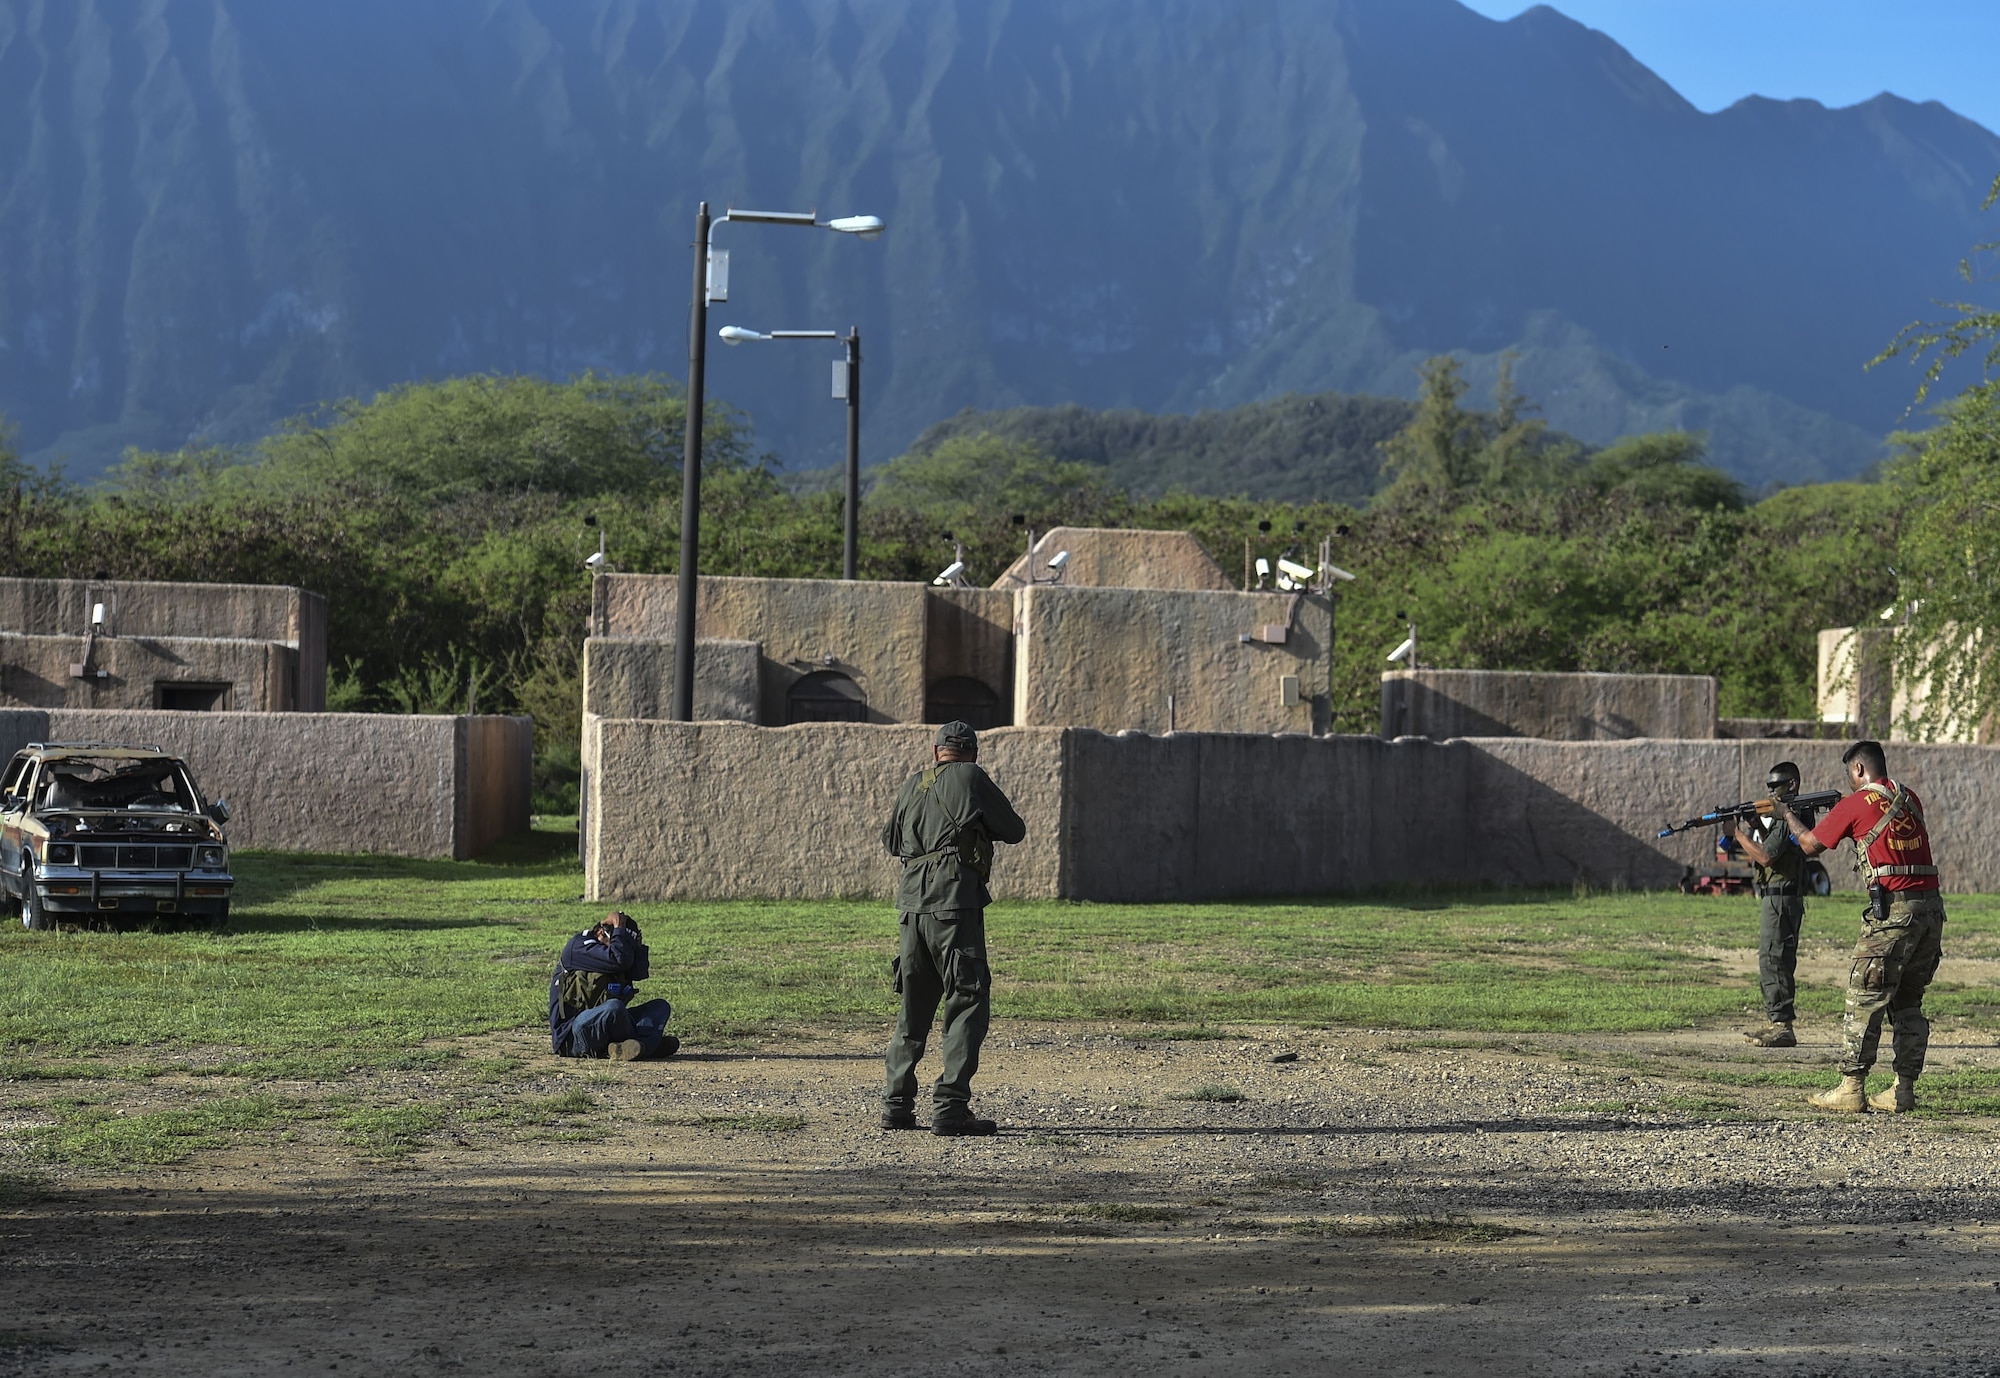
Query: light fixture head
[866,226]
[736,334]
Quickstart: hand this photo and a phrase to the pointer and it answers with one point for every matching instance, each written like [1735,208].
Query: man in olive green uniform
[945,823]
[1781,886]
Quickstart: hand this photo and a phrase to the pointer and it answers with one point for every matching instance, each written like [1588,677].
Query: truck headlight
[60,854]
[211,856]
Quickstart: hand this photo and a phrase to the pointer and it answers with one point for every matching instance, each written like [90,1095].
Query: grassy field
[339,965]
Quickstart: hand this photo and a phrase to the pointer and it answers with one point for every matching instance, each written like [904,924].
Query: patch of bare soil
[1378,1203]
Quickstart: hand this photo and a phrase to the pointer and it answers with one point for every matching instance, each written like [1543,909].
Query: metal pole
[684,609]
[852,535]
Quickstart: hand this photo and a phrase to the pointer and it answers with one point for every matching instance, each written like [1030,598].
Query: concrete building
[1555,707]
[186,647]
[1189,652]
[1864,692]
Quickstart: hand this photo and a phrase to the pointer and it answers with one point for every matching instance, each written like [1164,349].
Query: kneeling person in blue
[591,997]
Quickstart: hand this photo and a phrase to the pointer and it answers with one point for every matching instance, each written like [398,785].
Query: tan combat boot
[1772,1036]
[1899,1099]
[1850,1097]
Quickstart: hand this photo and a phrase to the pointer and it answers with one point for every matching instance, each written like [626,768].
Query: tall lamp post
[846,385]
[711,283]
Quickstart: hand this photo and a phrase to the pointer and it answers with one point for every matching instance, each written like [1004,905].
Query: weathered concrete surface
[1588,811]
[330,782]
[969,634]
[629,677]
[288,616]
[871,632]
[1857,680]
[694,810]
[1109,558]
[793,813]
[1216,816]
[255,676]
[1109,658]
[1440,704]
[1794,729]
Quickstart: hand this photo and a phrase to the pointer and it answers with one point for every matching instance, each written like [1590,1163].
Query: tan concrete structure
[1863,691]
[632,677]
[1152,659]
[1106,557]
[330,782]
[869,634]
[795,813]
[209,647]
[1558,707]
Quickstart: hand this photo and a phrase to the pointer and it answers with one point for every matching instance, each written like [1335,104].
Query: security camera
[97,614]
[1059,559]
[1296,572]
[1263,570]
[1337,572]
[1402,652]
[951,572]
[595,560]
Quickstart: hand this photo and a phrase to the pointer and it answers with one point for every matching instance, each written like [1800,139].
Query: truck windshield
[77,784]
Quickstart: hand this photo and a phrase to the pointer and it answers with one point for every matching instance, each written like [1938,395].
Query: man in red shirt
[1900,930]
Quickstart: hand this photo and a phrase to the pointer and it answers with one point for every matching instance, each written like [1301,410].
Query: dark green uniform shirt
[1788,863]
[937,825]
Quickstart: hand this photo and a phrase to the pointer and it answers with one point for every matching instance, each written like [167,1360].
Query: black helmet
[1783,781]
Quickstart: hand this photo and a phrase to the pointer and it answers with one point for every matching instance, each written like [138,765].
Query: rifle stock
[1802,804]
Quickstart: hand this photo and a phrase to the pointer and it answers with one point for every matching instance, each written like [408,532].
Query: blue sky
[1837,52]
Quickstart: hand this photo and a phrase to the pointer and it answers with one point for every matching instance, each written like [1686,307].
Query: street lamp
[847,385]
[711,282]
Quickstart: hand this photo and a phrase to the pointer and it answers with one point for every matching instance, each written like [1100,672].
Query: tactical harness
[1900,803]
[969,846]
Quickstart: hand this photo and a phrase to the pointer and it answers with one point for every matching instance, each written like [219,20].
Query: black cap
[958,736]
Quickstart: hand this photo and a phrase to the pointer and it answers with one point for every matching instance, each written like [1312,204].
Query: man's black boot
[959,1122]
[899,1119]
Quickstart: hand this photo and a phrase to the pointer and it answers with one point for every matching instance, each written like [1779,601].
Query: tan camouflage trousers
[1893,965]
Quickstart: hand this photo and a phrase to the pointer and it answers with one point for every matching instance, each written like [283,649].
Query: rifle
[1804,805]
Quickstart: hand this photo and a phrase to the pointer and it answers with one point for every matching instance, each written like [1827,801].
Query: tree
[1948,651]
[1438,451]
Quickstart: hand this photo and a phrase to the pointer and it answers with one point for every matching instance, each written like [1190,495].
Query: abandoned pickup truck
[94,834]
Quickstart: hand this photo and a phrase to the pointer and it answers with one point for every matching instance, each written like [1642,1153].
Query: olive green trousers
[943,958]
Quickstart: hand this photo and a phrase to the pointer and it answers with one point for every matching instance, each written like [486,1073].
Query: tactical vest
[1789,865]
[1900,803]
[969,846]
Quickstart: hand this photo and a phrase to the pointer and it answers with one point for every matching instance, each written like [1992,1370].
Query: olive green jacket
[941,830]
[1788,863]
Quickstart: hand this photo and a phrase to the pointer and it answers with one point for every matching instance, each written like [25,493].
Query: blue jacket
[623,958]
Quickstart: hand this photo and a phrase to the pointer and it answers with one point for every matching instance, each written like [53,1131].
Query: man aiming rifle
[1901,929]
[1781,872]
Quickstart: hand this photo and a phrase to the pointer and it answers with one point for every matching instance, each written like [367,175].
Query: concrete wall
[795,813]
[200,632]
[1109,658]
[692,810]
[970,633]
[871,632]
[1856,679]
[1108,558]
[329,782]
[624,677]
[1441,704]
[262,676]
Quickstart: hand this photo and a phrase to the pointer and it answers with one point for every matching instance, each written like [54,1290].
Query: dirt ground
[1377,1203]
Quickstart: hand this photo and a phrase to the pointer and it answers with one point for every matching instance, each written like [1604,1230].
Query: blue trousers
[597,1028]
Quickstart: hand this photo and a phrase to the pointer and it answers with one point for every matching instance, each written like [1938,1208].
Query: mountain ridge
[213,215]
